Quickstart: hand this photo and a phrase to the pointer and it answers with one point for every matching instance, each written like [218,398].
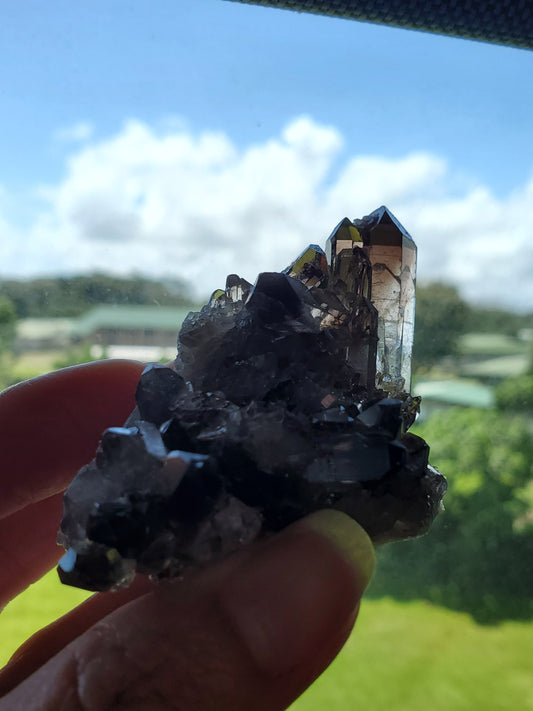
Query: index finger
[50,427]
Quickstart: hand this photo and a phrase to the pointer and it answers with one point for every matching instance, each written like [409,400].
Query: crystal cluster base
[270,412]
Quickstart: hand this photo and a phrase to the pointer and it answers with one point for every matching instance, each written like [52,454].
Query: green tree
[72,296]
[491,320]
[478,555]
[8,324]
[441,317]
[515,394]
[8,328]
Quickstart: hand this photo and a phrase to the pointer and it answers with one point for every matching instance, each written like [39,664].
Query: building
[442,394]
[43,334]
[146,333]
[492,357]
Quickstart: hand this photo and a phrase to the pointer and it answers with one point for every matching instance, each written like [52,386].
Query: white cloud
[168,201]
[77,132]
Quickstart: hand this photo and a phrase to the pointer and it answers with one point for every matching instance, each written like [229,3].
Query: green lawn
[39,605]
[416,657]
[401,657]
[33,363]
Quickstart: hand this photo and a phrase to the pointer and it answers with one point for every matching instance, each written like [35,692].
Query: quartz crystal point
[286,397]
[391,287]
[392,253]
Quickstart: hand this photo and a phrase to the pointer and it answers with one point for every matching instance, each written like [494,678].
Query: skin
[252,631]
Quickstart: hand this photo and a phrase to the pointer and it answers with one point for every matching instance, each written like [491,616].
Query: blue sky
[73,77]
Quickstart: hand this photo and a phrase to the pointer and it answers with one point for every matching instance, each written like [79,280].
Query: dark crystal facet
[157,389]
[99,568]
[286,397]
[128,524]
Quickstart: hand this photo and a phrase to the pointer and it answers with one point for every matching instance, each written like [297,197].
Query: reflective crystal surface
[270,412]
[392,253]
[311,267]
[391,287]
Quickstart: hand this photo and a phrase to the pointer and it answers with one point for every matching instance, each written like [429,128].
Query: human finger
[28,545]
[50,426]
[251,632]
[50,640]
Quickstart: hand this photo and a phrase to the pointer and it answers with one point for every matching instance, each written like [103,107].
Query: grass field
[401,657]
[33,363]
[415,657]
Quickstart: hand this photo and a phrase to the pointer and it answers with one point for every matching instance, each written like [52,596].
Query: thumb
[251,632]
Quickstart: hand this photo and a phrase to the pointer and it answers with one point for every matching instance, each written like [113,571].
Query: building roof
[161,318]
[491,344]
[502,367]
[456,392]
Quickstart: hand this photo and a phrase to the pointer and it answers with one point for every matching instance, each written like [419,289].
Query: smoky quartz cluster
[286,397]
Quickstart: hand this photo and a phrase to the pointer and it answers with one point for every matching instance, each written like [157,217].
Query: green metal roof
[166,318]
[491,344]
[503,367]
[456,392]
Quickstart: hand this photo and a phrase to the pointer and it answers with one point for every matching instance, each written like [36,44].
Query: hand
[251,632]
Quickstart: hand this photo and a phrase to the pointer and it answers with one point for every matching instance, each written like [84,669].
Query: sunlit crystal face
[310,267]
[391,286]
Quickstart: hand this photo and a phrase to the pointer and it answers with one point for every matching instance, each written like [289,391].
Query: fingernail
[299,590]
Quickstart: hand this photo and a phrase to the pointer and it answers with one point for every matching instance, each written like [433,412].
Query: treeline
[442,316]
[477,556]
[71,296]
[487,320]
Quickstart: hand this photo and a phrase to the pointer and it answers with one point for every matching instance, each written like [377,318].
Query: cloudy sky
[193,138]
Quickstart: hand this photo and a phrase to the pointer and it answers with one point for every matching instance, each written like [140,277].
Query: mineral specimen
[286,397]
